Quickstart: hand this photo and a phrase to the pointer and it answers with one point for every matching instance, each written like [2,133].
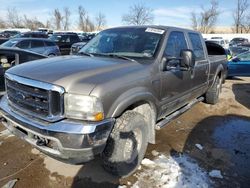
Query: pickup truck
[125,84]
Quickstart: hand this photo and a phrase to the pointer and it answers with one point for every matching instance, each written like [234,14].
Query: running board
[177,113]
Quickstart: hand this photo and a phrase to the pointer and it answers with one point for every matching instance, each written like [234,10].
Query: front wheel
[126,145]
[212,95]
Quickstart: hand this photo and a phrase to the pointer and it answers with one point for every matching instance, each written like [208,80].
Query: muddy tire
[126,145]
[212,95]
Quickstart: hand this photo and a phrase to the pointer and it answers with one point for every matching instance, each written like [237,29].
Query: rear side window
[197,46]
[37,44]
[176,42]
[25,44]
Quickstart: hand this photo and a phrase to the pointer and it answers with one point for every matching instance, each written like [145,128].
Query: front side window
[197,46]
[175,44]
[130,42]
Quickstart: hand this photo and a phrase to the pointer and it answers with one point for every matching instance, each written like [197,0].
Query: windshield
[130,42]
[9,43]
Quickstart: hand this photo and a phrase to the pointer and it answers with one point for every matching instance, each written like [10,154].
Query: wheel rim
[132,148]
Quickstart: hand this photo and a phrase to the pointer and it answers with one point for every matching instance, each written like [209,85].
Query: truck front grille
[40,102]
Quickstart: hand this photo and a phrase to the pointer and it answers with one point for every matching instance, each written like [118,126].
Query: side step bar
[177,113]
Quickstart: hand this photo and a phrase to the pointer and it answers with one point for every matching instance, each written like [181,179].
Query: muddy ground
[223,131]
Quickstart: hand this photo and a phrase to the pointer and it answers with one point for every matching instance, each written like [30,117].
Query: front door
[176,83]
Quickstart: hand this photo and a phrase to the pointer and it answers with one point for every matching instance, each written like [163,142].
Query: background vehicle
[239,49]
[238,41]
[41,46]
[130,82]
[5,35]
[8,33]
[33,34]
[65,41]
[222,42]
[239,65]
[78,46]
[10,57]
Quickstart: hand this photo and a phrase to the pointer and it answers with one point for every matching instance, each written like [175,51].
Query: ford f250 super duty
[125,84]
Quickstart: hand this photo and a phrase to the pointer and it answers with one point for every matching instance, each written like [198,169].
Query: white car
[224,43]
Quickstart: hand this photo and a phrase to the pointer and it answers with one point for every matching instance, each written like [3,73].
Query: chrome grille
[44,103]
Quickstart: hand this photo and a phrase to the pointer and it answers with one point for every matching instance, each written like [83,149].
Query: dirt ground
[223,131]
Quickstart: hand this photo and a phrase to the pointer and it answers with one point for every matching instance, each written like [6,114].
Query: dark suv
[65,41]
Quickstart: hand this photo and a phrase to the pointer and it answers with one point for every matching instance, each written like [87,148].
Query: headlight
[83,107]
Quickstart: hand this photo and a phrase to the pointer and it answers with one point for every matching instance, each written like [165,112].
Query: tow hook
[41,141]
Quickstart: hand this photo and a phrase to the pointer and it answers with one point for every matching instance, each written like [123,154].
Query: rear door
[38,47]
[200,73]
[176,84]
[65,44]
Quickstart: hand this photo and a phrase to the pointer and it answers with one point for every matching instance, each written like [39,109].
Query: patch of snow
[215,174]
[200,147]
[148,163]
[122,186]
[10,184]
[155,153]
[1,143]
[168,172]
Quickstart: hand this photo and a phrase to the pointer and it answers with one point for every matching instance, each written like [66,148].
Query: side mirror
[187,59]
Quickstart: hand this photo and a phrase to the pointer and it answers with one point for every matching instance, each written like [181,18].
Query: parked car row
[61,42]
[40,46]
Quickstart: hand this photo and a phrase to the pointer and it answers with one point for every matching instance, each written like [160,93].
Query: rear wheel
[212,95]
[127,144]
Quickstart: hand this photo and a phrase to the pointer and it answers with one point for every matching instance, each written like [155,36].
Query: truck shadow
[92,174]
[225,141]
[242,92]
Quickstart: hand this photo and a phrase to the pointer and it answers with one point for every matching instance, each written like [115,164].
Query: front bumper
[69,141]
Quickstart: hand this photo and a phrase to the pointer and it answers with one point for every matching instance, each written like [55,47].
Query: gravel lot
[204,142]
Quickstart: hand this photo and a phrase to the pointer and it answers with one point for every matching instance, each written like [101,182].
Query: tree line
[206,19]
[59,20]
[138,14]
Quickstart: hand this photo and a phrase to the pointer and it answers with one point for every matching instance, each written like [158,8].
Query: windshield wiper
[121,57]
[86,54]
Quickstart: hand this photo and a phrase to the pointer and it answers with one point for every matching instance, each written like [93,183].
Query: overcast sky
[166,12]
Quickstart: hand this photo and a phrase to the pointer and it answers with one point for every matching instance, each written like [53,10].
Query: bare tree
[246,24]
[2,23]
[14,20]
[57,18]
[32,24]
[194,21]
[207,18]
[138,15]
[82,17]
[239,15]
[66,18]
[84,23]
[100,21]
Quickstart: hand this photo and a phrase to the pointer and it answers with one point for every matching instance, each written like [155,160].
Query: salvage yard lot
[204,139]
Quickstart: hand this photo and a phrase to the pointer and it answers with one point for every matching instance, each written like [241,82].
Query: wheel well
[149,113]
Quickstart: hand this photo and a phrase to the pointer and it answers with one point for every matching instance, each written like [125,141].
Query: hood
[77,74]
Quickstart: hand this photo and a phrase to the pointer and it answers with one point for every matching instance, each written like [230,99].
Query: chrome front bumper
[69,141]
